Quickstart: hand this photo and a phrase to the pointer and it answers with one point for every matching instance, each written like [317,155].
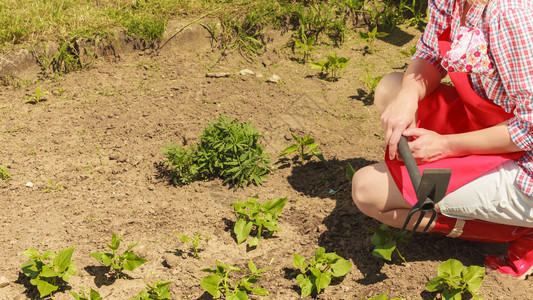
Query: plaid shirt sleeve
[511,40]
[440,15]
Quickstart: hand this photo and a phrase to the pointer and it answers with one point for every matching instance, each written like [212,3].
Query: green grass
[28,21]
[24,23]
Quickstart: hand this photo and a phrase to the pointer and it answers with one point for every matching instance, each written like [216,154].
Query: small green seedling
[128,260]
[454,280]
[219,283]
[194,241]
[386,240]
[331,66]
[48,276]
[51,187]
[371,81]
[318,273]
[305,44]
[350,171]
[38,96]
[306,148]
[263,216]
[409,52]
[370,37]
[4,175]
[93,295]
[159,291]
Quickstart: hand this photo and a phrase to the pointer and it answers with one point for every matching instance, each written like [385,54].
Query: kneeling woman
[481,128]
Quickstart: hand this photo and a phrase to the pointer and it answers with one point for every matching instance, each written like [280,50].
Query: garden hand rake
[430,188]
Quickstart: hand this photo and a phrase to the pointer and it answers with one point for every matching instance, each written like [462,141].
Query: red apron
[451,110]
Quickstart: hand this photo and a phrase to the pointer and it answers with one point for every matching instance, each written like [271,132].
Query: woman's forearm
[491,140]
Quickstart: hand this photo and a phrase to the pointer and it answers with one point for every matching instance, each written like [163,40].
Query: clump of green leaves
[305,147]
[331,67]
[454,280]
[128,260]
[219,283]
[4,175]
[93,295]
[304,44]
[318,273]
[182,161]
[370,37]
[262,217]
[194,241]
[386,240]
[38,96]
[371,81]
[50,270]
[228,149]
[159,291]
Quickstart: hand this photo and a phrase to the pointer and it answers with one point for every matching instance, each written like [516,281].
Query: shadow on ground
[347,231]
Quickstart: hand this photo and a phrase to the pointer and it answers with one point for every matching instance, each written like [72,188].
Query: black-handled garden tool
[430,188]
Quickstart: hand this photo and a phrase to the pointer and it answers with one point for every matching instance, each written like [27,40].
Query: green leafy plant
[93,295]
[306,148]
[49,271]
[219,283]
[38,96]
[158,291]
[318,273]
[228,149]
[418,12]
[128,260]
[409,52]
[370,37]
[182,162]
[331,66]
[264,217]
[232,150]
[454,280]
[371,81]
[350,171]
[305,44]
[4,175]
[194,241]
[386,240]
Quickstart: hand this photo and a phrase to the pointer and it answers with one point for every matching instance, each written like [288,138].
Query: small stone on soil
[274,79]
[246,72]
[4,281]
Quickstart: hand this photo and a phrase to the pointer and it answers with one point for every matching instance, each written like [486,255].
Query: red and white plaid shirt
[508,29]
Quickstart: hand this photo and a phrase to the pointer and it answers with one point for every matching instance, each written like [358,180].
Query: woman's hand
[427,145]
[399,115]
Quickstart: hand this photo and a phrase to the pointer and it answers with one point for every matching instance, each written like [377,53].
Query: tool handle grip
[409,161]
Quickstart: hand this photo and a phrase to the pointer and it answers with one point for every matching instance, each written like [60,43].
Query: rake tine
[433,216]
[409,215]
[422,213]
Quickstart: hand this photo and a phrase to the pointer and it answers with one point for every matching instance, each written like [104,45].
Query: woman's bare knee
[374,191]
[364,193]
[387,88]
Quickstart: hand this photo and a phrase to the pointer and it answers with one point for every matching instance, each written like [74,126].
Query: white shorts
[493,197]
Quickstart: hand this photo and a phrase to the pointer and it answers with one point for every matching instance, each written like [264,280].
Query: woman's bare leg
[373,190]
[375,193]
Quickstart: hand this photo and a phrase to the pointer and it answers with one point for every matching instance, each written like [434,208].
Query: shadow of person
[346,228]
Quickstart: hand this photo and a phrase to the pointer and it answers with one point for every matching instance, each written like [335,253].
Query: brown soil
[93,148]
